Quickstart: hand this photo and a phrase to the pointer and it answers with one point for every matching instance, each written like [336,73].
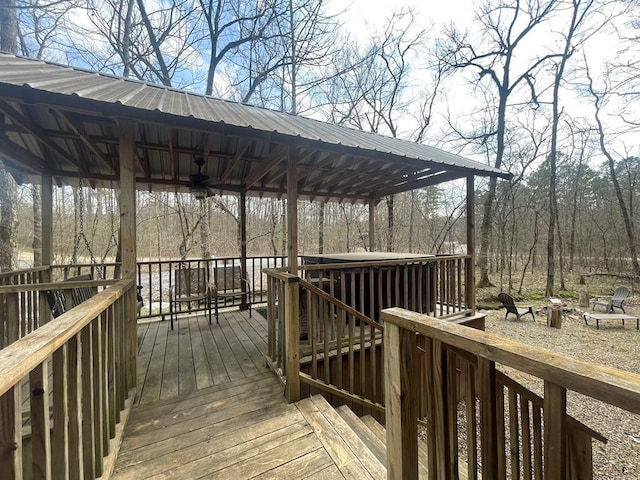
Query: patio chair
[616,301]
[509,304]
[193,288]
[229,286]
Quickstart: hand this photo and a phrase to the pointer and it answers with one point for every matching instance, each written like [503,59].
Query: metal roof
[64,121]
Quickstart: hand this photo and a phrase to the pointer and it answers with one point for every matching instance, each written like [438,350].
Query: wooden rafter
[242,149]
[440,177]
[25,122]
[79,130]
[173,154]
[21,156]
[277,155]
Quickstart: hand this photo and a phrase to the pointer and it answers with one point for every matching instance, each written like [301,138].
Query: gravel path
[612,345]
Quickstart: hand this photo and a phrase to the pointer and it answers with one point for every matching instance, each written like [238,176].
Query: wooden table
[611,316]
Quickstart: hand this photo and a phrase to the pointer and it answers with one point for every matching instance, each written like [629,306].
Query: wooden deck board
[196,355]
[210,408]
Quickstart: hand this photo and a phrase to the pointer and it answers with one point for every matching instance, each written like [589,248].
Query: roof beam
[276,156]
[242,149]
[21,156]
[435,179]
[32,129]
[79,130]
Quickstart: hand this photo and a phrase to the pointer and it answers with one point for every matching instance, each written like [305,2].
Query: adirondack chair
[193,288]
[509,304]
[616,301]
[229,286]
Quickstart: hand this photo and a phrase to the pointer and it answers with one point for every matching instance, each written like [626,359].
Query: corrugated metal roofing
[64,82]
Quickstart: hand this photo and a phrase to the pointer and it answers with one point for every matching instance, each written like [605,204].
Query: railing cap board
[382,263]
[25,354]
[26,271]
[66,285]
[610,385]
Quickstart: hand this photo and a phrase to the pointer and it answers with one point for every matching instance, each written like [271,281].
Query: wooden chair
[616,301]
[509,304]
[193,288]
[228,285]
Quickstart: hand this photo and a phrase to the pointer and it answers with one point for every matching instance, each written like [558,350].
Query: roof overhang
[64,122]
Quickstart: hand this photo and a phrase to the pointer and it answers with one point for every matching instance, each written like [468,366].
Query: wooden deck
[196,355]
[207,407]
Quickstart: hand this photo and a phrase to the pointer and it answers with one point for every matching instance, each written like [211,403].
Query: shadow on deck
[208,407]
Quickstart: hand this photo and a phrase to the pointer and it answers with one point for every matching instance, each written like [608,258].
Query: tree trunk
[205,231]
[8,188]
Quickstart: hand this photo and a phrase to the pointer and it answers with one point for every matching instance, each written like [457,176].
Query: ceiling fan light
[200,192]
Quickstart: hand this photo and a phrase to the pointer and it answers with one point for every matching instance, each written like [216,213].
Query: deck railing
[157,278]
[519,434]
[24,310]
[70,380]
[20,310]
[23,302]
[324,328]
[340,347]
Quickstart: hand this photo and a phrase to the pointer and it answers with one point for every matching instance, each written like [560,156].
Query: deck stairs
[245,429]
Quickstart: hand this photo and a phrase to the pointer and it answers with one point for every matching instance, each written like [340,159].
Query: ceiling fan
[198,181]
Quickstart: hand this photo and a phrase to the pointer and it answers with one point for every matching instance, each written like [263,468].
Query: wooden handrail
[25,271]
[66,285]
[529,435]
[383,263]
[25,354]
[610,385]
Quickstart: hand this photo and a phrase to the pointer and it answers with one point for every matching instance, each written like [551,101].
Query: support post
[128,239]
[372,225]
[400,402]
[39,377]
[470,265]
[292,336]
[555,435]
[243,246]
[11,434]
[292,211]
[488,417]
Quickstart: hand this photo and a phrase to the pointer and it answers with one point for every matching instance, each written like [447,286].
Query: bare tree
[8,43]
[599,99]
[504,27]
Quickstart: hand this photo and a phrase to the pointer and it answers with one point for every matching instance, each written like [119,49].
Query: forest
[544,89]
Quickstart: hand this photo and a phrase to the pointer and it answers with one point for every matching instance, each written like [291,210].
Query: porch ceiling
[63,121]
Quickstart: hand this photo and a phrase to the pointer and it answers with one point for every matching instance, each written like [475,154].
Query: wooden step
[380,432]
[423,453]
[349,453]
[369,438]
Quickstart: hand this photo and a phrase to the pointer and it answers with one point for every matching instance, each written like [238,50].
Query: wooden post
[292,336]
[470,265]
[554,316]
[292,212]
[128,240]
[11,434]
[488,417]
[243,246]
[372,225]
[555,436]
[401,405]
[39,376]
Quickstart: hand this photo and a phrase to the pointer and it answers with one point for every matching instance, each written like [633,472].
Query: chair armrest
[247,283]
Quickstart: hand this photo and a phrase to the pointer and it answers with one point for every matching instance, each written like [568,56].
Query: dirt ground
[612,345]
